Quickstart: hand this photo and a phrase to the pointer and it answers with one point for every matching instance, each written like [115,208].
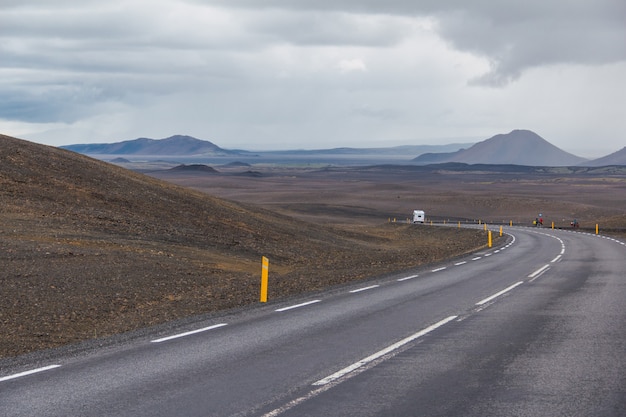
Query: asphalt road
[533,328]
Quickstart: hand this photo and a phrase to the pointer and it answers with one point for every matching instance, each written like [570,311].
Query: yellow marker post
[264,278]
[597,229]
[485,226]
[552,225]
[490,240]
[459,225]
[500,231]
[511,223]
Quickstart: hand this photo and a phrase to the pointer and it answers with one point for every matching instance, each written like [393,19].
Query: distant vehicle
[418,216]
[574,223]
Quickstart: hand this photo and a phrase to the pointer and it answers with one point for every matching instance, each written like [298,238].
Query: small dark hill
[174,145]
[519,147]
[199,168]
[616,158]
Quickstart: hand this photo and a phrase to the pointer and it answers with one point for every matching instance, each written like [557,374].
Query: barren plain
[374,194]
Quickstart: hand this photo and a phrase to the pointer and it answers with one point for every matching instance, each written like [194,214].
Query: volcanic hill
[519,147]
[173,145]
[89,249]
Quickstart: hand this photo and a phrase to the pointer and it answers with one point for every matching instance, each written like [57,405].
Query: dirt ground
[66,290]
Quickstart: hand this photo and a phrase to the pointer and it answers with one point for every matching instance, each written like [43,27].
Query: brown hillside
[88,249]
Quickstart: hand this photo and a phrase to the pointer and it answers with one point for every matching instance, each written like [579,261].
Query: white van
[418,216]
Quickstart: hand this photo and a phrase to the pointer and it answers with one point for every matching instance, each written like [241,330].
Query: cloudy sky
[311,74]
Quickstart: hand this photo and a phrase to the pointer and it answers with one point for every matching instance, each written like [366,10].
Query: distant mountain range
[180,145]
[519,147]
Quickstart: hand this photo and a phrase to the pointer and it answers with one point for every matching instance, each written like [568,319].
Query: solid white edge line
[498,294]
[176,336]
[555,259]
[364,288]
[382,352]
[297,305]
[32,371]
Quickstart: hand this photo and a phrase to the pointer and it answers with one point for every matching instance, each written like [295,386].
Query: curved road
[534,328]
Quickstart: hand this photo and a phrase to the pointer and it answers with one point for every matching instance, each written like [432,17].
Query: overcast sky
[312,74]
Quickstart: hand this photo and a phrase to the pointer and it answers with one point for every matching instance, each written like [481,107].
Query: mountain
[616,158]
[519,147]
[174,145]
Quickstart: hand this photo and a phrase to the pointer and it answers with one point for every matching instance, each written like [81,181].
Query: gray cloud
[322,29]
[576,33]
[513,35]
[312,71]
